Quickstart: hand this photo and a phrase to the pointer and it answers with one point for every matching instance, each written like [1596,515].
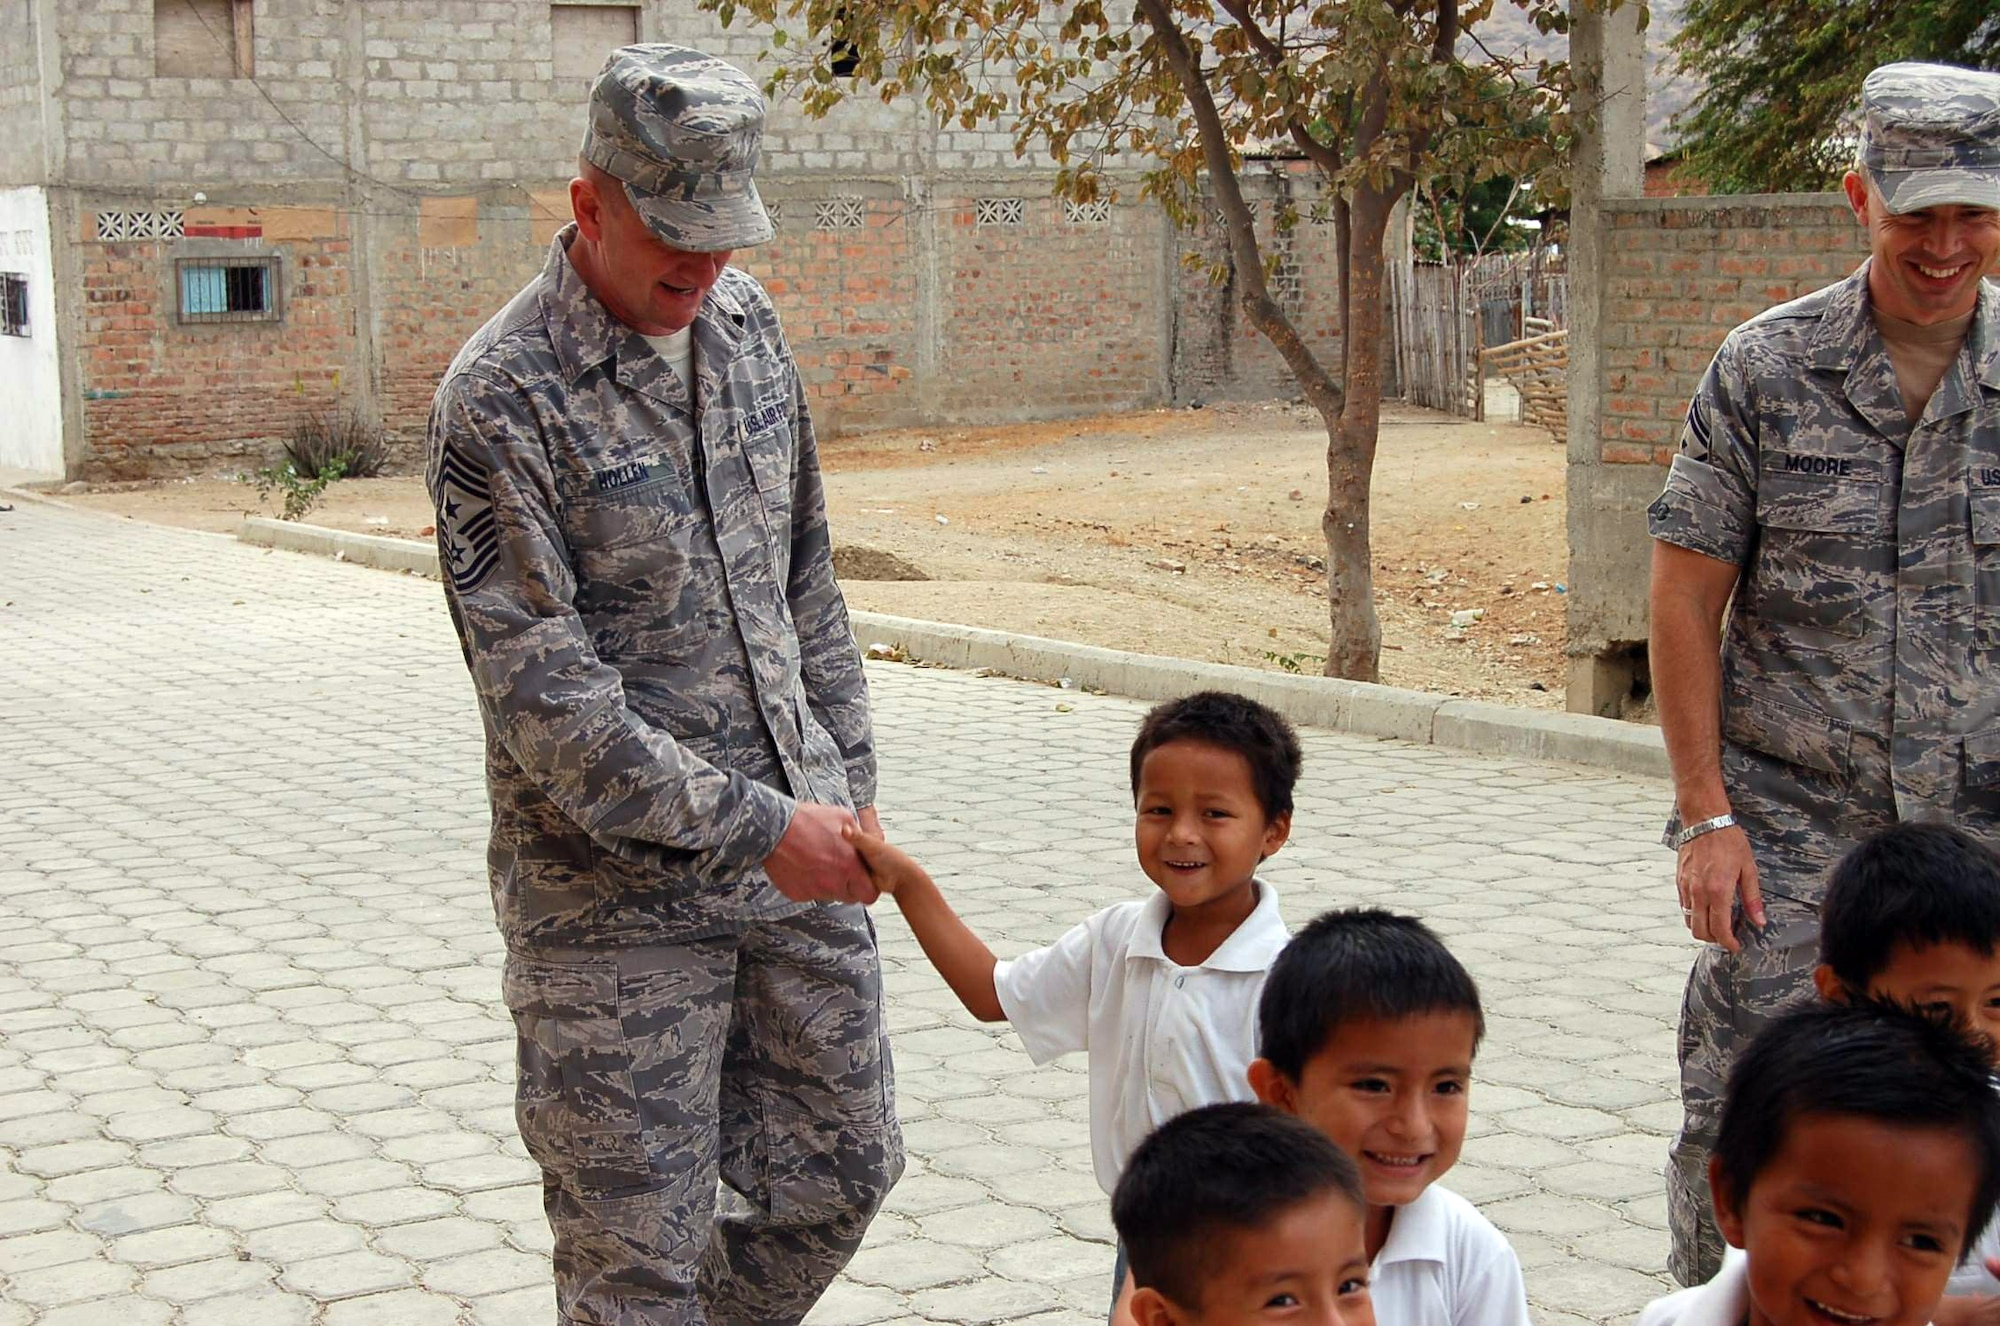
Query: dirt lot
[1170,532]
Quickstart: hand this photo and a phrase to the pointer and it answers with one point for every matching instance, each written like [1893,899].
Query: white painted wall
[31,437]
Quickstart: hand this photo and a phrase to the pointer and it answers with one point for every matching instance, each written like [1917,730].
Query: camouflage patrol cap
[681,129]
[1930,135]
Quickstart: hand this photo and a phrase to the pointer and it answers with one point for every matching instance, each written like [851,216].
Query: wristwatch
[1693,831]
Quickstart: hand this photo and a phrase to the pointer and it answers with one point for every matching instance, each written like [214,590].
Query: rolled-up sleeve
[559,711]
[836,687]
[1709,504]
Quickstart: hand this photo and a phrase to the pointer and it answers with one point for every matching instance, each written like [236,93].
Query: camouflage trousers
[645,1076]
[1729,999]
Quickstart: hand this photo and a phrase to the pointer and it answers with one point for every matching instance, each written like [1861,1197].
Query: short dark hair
[1230,722]
[1354,963]
[1911,884]
[1866,1059]
[1217,1170]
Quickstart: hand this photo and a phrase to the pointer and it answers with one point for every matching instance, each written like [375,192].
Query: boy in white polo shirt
[1367,1031]
[1161,993]
[1857,1156]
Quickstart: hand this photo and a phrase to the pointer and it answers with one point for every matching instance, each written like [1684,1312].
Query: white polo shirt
[1723,1301]
[1162,1038]
[1445,1265]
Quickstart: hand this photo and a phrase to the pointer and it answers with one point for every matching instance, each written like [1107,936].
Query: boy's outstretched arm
[960,956]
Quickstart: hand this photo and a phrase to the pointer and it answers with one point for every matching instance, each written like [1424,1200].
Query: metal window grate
[13,304]
[997,211]
[837,214]
[229,289]
[1096,212]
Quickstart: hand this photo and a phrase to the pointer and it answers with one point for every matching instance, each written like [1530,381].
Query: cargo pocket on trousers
[821,1171]
[574,1101]
[1791,733]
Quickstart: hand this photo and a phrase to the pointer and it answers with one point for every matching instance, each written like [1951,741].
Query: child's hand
[1968,1310]
[889,866]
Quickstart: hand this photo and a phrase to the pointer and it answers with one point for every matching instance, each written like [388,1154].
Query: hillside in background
[1508,30]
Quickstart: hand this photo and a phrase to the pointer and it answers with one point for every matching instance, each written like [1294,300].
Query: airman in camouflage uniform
[1858,527]
[677,726]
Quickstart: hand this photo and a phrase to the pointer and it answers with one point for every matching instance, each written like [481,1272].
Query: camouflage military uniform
[1855,666]
[642,582]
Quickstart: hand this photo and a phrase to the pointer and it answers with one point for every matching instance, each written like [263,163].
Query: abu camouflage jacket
[1862,658]
[643,588]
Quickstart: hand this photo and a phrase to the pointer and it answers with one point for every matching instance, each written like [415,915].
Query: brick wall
[163,398]
[20,98]
[1680,275]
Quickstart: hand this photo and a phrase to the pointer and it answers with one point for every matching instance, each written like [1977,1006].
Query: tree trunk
[1354,649]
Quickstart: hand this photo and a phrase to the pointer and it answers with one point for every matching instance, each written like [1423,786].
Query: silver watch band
[1693,831]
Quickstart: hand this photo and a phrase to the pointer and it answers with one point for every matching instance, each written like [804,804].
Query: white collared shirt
[1444,1264]
[1162,1038]
[1723,1301]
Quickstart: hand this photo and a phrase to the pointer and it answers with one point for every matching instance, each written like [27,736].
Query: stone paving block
[286,1245]
[855,1305]
[403,1307]
[346,1275]
[71,1282]
[124,1310]
[912,1265]
[55,1247]
[522,1307]
[493,1270]
[261,1307]
[984,1301]
[430,1240]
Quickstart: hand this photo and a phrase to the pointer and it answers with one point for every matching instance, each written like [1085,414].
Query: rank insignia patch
[465,517]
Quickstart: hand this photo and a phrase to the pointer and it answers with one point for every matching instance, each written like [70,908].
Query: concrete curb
[1327,702]
[364,549]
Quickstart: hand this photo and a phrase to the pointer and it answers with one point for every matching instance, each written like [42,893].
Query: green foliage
[302,494]
[1782,80]
[1471,221]
[1296,663]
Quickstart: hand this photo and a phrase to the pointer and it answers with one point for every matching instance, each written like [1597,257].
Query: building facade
[218,216]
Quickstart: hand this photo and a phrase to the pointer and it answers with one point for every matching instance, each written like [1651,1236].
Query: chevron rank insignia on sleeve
[465,516]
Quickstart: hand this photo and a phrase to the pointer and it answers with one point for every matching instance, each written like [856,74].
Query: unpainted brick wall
[160,398]
[1680,275]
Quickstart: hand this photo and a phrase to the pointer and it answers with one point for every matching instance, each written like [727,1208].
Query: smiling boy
[1367,1029]
[1859,1148]
[1160,993]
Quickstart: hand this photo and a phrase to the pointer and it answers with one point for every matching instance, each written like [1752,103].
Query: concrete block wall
[1218,352]
[21,158]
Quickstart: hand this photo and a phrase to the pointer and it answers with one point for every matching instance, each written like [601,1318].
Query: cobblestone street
[253,1062]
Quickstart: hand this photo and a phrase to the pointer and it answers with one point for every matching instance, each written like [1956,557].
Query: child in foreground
[1912,917]
[1239,1214]
[1859,1149]
[1161,993]
[1367,1029]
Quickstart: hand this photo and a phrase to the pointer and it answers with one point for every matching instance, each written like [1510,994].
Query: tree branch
[1446,45]
[1319,387]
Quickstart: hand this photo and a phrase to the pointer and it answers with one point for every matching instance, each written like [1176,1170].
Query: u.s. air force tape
[465,514]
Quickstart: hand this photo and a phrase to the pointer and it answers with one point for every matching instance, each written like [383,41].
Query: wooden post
[1479,358]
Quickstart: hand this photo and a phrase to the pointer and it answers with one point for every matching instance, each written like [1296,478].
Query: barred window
[229,289]
[13,304]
